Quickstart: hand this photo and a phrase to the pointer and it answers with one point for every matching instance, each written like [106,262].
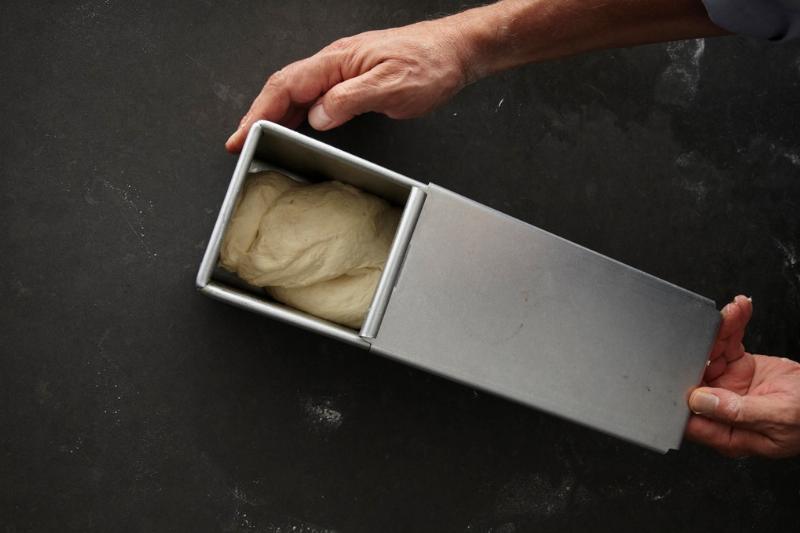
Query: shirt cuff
[776,20]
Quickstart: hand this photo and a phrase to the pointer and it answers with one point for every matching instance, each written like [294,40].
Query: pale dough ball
[258,194]
[320,248]
[319,232]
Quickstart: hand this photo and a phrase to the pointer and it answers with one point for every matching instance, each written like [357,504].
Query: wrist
[476,35]
[502,35]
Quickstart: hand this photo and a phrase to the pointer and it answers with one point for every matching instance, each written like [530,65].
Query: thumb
[346,100]
[729,408]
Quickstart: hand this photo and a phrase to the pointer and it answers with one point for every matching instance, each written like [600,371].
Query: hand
[748,404]
[400,72]
[406,72]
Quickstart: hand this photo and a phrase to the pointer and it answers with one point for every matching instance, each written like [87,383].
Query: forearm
[515,32]
[405,72]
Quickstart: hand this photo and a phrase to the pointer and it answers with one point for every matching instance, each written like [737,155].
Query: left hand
[748,404]
[400,72]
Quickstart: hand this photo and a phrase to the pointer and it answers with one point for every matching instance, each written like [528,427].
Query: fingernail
[231,137]
[750,299]
[318,118]
[703,403]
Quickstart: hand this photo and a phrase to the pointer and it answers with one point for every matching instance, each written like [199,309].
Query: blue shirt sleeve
[776,20]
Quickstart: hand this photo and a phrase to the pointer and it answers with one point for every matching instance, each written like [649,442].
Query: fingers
[728,344]
[735,317]
[271,104]
[730,441]
[236,140]
[726,406]
[349,98]
[735,348]
[294,117]
[715,369]
[288,92]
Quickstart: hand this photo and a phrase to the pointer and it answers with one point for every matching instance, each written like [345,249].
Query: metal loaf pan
[479,297]
[270,146]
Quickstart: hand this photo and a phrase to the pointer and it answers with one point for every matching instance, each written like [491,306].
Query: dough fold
[343,300]
[320,248]
[258,195]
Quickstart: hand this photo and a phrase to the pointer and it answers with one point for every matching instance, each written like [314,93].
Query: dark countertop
[132,403]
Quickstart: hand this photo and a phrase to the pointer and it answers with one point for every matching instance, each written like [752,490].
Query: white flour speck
[793,157]
[322,414]
[679,81]
[789,253]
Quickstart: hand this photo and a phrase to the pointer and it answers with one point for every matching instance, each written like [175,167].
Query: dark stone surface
[131,403]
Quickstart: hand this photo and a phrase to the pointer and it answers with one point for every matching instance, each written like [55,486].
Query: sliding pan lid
[501,305]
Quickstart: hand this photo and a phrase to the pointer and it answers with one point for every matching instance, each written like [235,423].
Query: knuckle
[740,417]
[343,43]
[339,97]
[278,79]
[404,71]
[734,410]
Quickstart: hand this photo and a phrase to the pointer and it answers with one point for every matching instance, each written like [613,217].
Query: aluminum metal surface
[211,255]
[405,228]
[316,160]
[283,313]
[501,305]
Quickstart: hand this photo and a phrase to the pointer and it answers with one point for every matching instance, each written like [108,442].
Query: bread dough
[258,194]
[320,248]
[317,233]
[344,300]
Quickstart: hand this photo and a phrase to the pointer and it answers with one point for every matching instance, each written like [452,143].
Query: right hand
[748,404]
[400,72]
